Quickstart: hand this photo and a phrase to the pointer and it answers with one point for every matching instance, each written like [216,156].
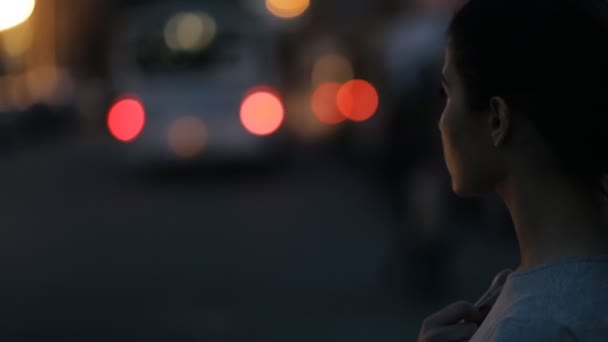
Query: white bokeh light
[15,12]
[190,31]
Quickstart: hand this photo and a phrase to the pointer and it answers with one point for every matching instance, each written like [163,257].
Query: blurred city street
[223,170]
[93,251]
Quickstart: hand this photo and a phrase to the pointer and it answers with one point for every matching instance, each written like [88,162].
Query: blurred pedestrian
[525,117]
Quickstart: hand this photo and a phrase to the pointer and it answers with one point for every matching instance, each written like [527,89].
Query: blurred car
[194,82]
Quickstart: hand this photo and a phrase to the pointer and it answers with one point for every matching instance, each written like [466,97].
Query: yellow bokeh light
[287,8]
[332,68]
[187,137]
[190,31]
[17,41]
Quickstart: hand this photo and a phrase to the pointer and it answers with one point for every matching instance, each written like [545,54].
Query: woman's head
[526,82]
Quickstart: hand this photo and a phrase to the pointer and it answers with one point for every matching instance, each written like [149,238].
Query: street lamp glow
[15,12]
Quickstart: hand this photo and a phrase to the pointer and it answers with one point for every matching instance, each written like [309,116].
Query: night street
[93,250]
[303,171]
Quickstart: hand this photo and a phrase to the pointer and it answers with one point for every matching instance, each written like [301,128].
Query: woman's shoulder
[562,280]
[526,330]
[559,302]
[523,329]
[575,284]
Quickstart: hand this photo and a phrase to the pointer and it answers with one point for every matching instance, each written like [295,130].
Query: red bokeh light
[262,111]
[324,103]
[126,119]
[358,100]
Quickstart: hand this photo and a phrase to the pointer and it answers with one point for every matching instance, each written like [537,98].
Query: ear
[499,120]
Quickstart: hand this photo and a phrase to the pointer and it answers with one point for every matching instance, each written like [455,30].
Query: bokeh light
[126,119]
[15,12]
[302,122]
[50,84]
[17,41]
[332,68]
[287,9]
[262,112]
[187,137]
[190,31]
[358,100]
[324,103]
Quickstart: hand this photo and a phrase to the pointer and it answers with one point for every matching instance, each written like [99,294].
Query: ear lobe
[500,120]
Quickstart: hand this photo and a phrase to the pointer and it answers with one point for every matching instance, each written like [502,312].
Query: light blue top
[564,300]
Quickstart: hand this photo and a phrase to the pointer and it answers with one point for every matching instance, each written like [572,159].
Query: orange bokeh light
[287,9]
[262,112]
[324,103]
[358,100]
[126,119]
[187,137]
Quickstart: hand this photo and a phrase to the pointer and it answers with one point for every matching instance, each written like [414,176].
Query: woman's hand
[457,322]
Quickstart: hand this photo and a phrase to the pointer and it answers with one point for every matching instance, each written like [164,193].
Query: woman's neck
[554,218]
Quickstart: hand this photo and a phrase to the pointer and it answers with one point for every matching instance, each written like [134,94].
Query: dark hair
[549,60]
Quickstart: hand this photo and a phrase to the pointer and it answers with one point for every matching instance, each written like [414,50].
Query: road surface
[94,252]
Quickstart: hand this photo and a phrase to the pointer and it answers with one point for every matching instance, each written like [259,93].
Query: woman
[526,116]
